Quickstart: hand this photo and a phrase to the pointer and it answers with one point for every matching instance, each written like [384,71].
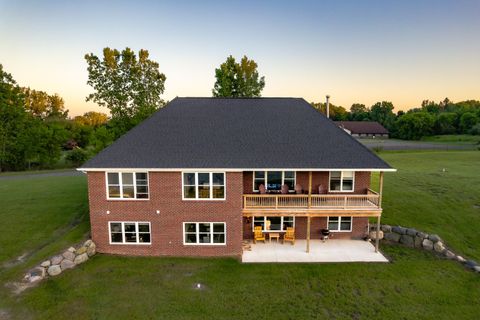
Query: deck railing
[314,201]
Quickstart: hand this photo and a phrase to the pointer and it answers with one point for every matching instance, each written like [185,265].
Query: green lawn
[421,195]
[415,285]
[454,138]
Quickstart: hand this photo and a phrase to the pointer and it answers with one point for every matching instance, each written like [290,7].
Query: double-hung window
[127,185]
[273,223]
[130,232]
[204,185]
[342,181]
[340,224]
[204,233]
[273,180]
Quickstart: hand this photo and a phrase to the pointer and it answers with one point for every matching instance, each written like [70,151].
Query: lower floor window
[273,223]
[204,233]
[340,223]
[130,232]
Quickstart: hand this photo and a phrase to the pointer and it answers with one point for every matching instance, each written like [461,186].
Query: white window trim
[265,223]
[123,233]
[339,223]
[283,179]
[211,186]
[197,231]
[341,182]
[121,186]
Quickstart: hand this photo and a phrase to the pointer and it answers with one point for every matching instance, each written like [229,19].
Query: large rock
[81,258]
[68,255]
[46,264]
[56,259]
[392,236]
[72,249]
[37,272]
[386,228]
[422,235]
[92,249]
[434,238]
[54,270]
[427,244]
[438,246]
[477,269]
[399,230]
[449,254]
[460,259]
[81,250]
[88,243]
[373,234]
[67,264]
[418,241]
[407,240]
[412,232]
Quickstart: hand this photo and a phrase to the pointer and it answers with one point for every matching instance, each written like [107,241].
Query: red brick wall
[359,228]
[166,227]
[362,181]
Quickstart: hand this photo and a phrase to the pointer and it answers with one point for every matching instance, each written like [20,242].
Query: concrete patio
[329,251]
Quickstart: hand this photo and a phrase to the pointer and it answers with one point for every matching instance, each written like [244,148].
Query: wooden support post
[380,189]
[308,234]
[309,189]
[377,240]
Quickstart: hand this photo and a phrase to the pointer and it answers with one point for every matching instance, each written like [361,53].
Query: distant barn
[370,129]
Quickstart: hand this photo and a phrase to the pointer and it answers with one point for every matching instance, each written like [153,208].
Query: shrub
[77,156]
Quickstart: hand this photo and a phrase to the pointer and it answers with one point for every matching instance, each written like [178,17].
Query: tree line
[36,130]
[431,118]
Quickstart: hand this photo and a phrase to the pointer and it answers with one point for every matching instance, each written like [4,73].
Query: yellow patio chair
[258,234]
[289,235]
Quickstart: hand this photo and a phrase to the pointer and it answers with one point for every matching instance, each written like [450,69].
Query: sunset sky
[356,51]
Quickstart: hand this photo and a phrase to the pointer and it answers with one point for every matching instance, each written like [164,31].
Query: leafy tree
[337,113]
[43,106]
[238,80]
[13,123]
[475,129]
[100,139]
[91,118]
[467,121]
[128,86]
[414,125]
[446,123]
[382,112]
[359,112]
[77,156]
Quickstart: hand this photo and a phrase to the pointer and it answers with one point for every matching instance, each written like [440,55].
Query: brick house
[198,175]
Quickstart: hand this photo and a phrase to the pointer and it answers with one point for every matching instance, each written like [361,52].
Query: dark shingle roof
[248,133]
[366,127]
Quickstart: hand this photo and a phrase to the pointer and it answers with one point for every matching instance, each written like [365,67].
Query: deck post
[309,189]
[377,237]
[308,234]
[380,189]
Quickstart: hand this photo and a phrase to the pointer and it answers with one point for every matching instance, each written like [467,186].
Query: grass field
[50,213]
[454,138]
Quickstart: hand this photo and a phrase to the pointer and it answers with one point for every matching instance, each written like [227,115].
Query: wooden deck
[314,204]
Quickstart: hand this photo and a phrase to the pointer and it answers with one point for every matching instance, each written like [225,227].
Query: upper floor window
[273,180]
[127,185]
[204,185]
[342,181]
